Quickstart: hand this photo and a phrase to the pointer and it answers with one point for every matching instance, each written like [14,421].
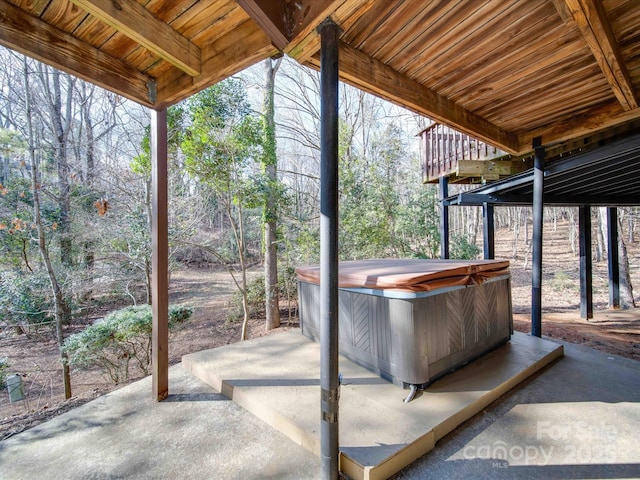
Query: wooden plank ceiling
[504,71]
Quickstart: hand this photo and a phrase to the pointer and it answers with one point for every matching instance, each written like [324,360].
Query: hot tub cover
[409,275]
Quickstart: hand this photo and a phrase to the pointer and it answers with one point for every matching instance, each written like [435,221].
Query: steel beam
[444,217]
[159,256]
[586,269]
[330,388]
[613,257]
[478,199]
[536,263]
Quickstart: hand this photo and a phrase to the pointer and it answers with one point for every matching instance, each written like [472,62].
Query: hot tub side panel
[415,340]
[363,322]
[478,319]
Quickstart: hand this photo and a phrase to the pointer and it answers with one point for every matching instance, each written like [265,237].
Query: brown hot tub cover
[409,275]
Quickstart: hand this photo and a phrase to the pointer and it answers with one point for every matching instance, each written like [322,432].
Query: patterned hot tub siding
[415,338]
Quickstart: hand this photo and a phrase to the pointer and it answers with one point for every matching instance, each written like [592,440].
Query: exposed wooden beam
[37,39]
[591,19]
[371,75]
[137,23]
[596,119]
[306,41]
[295,22]
[271,17]
[229,54]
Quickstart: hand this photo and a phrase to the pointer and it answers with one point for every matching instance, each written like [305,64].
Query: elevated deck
[464,159]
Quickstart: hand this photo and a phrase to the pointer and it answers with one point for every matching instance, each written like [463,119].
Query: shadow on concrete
[498,469]
[196,397]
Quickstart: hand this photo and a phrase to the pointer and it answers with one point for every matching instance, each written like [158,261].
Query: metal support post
[586,269]
[330,388]
[488,230]
[536,263]
[613,257]
[444,218]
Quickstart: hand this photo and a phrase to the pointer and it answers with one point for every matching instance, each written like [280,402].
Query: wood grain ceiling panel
[521,52]
[480,66]
[371,21]
[502,69]
[33,7]
[221,25]
[222,17]
[525,79]
[554,103]
[168,12]
[94,32]
[435,65]
[447,29]
[200,15]
[530,89]
[64,15]
[401,26]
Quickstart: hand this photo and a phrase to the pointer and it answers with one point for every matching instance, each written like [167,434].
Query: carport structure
[523,75]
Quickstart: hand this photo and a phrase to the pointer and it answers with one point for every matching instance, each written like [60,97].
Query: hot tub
[412,321]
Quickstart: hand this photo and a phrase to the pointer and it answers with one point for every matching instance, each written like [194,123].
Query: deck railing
[445,147]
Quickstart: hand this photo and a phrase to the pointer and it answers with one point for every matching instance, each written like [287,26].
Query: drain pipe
[413,389]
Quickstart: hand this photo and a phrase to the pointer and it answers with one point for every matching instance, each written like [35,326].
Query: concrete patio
[578,418]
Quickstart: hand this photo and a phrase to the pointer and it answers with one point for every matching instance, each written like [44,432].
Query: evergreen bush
[463,249]
[123,336]
[4,367]
[24,298]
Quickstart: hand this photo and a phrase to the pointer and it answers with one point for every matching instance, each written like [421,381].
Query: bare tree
[62,310]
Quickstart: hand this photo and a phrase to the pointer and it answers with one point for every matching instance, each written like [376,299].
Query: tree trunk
[600,234]
[571,214]
[90,166]
[625,276]
[270,166]
[516,238]
[60,124]
[62,310]
[629,212]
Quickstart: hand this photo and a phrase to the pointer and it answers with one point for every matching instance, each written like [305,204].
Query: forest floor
[35,357]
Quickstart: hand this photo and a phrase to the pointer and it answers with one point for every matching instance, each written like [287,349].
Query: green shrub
[4,367]
[255,299]
[119,338]
[24,298]
[256,295]
[463,249]
[179,314]
[287,283]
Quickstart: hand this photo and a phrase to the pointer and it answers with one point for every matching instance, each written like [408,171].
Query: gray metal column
[613,257]
[586,269]
[536,263]
[444,217]
[330,388]
[159,256]
[488,230]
